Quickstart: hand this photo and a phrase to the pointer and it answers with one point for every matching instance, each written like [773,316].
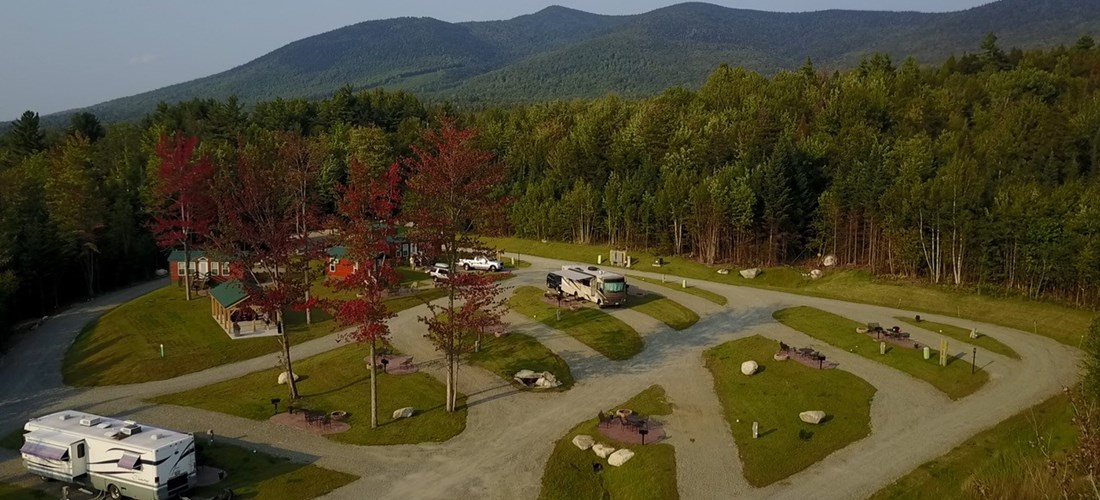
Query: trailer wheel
[113,492]
[492,269]
[466,267]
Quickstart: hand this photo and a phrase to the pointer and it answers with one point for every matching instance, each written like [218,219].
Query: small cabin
[340,265]
[201,266]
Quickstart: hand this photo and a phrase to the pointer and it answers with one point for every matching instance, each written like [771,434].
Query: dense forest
[980,172]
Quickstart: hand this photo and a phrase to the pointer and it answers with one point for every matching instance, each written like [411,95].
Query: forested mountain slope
[565,53]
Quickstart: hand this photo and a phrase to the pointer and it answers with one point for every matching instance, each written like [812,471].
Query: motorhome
[118,457]
[591,284]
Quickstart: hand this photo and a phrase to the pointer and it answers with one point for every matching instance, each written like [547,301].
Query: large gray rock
[620,457]
[602,450]
[750,273]
[583,441]
[282,378]
[749,367]
[812,417]
[405,412]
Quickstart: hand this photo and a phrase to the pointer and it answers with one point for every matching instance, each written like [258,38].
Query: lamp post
[275,402]
[385,362]
[974,361]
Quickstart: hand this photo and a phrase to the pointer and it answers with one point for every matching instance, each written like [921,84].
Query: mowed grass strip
[774,397]
[691,289]
[13,492]
[513,352]
[123,345]
[650,474]
[339,380]
[998,462]
[602,332]
[262,476]
[664,309]
[963,335]
[1061,323]
[955,379]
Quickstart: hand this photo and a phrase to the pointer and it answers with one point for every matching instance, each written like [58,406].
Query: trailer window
[614,286]
[80,450]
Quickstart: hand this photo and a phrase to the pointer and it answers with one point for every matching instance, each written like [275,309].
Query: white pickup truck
[481,263]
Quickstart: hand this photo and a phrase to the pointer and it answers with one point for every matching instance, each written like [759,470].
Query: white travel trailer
[591,284]
[118,457]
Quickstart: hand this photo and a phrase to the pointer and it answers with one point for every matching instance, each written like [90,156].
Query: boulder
[750,273]
[620,457]
[583,441]
[522,374]
[602,450]
[974,333]
[405,412]
[547,380]
[781,356]
[816,273]
[829,260]
[282,378]
[812,417]
[749,367]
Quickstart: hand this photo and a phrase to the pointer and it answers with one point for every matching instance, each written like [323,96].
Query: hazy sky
[61,54]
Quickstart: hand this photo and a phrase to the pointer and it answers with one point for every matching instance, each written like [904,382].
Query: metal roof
[57,430]
[177,255]
[229,293]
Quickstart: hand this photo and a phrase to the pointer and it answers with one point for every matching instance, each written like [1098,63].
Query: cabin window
[332,265]
[225,269]
[80,450]
[179,269]
[215,268]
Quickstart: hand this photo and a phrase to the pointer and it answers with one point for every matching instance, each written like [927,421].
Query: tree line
[978,172]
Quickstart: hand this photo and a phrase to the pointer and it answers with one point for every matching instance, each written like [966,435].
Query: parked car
[481,263]
[440,272]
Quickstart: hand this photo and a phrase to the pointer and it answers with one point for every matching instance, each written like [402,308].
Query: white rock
[620,457]
[522,374]
[816,273]
[547,380]
[829,261]
[282,378]
[750,273]
[583,441]
[749,367]
[602,450]
[405,412]
[974,333]
[812,417]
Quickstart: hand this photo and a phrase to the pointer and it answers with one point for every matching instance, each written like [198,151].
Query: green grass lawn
[13,492]
[339,380]
[123,345]
[650,474]
[664,309]
[13,440]
[955,379]
[511,353]
[262,476]
[596,329]
[691,289]
[774,397]
[999,459]
[963,335]
[1064,324]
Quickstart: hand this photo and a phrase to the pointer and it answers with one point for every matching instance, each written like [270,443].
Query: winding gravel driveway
[510,434]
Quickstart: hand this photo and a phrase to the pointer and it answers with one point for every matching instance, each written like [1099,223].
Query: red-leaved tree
[365,223]
[452,190]
[183,182]
[256,232]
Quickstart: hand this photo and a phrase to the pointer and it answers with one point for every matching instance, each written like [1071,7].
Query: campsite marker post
[162,350]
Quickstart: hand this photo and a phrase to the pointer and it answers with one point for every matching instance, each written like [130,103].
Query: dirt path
[510,434]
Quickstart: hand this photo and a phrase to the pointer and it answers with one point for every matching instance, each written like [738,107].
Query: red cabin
[200,265]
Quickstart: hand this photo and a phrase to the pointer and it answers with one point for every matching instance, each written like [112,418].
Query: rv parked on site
[591,284]
[120,458]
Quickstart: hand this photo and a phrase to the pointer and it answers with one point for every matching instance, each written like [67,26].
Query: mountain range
[565,53]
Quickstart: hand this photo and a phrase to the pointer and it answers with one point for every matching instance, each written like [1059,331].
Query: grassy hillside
[563,53]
